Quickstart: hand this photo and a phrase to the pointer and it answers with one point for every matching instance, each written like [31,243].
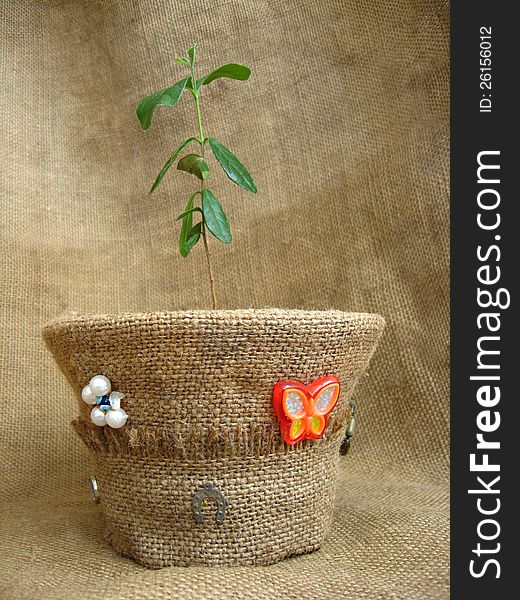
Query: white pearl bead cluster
[108,409]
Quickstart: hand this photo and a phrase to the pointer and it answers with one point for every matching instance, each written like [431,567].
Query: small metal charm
[351,427]
[94,490]
[208,491]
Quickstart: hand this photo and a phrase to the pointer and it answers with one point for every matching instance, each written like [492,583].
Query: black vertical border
[472,132]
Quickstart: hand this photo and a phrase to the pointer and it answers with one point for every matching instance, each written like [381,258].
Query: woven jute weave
[344,126]
[198,394]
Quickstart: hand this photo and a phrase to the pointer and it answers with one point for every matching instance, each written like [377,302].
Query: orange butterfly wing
[325,394]
[291,404]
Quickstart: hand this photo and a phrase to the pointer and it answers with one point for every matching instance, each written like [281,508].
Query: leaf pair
[234,169]
[214,219]
[193,163]
[171,95]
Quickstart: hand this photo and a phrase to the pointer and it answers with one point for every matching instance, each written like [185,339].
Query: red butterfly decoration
[303,410]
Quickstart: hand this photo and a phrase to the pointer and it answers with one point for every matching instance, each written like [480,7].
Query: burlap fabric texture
[199,400]
[344,127]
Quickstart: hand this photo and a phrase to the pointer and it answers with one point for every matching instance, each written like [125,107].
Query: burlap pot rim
[295,314]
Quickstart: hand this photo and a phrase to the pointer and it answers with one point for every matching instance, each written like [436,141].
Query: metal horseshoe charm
[208,491]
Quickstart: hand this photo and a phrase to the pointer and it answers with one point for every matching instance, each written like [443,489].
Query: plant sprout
[203,201]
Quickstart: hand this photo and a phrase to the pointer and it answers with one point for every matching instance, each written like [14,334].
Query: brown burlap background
[344,126]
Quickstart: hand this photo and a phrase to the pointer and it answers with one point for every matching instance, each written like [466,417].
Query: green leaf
[167,97]
[186,212]
[170,161]
[232,71]
[182,60]
[194,235]
[189,235]
[191,53]
[194,164]
[214,217]
[234,169]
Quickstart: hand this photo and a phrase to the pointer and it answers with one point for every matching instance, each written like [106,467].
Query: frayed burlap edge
[195,442]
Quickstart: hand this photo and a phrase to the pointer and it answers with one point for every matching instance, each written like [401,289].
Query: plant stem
[204,237]
[211,281]
[199,121]
[206,247]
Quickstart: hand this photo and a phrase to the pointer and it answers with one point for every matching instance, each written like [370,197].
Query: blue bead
[103,402]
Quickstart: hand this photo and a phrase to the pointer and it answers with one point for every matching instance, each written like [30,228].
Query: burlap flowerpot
[198,393]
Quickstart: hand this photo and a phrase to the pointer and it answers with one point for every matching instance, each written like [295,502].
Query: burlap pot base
[198,394]
[278,505]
